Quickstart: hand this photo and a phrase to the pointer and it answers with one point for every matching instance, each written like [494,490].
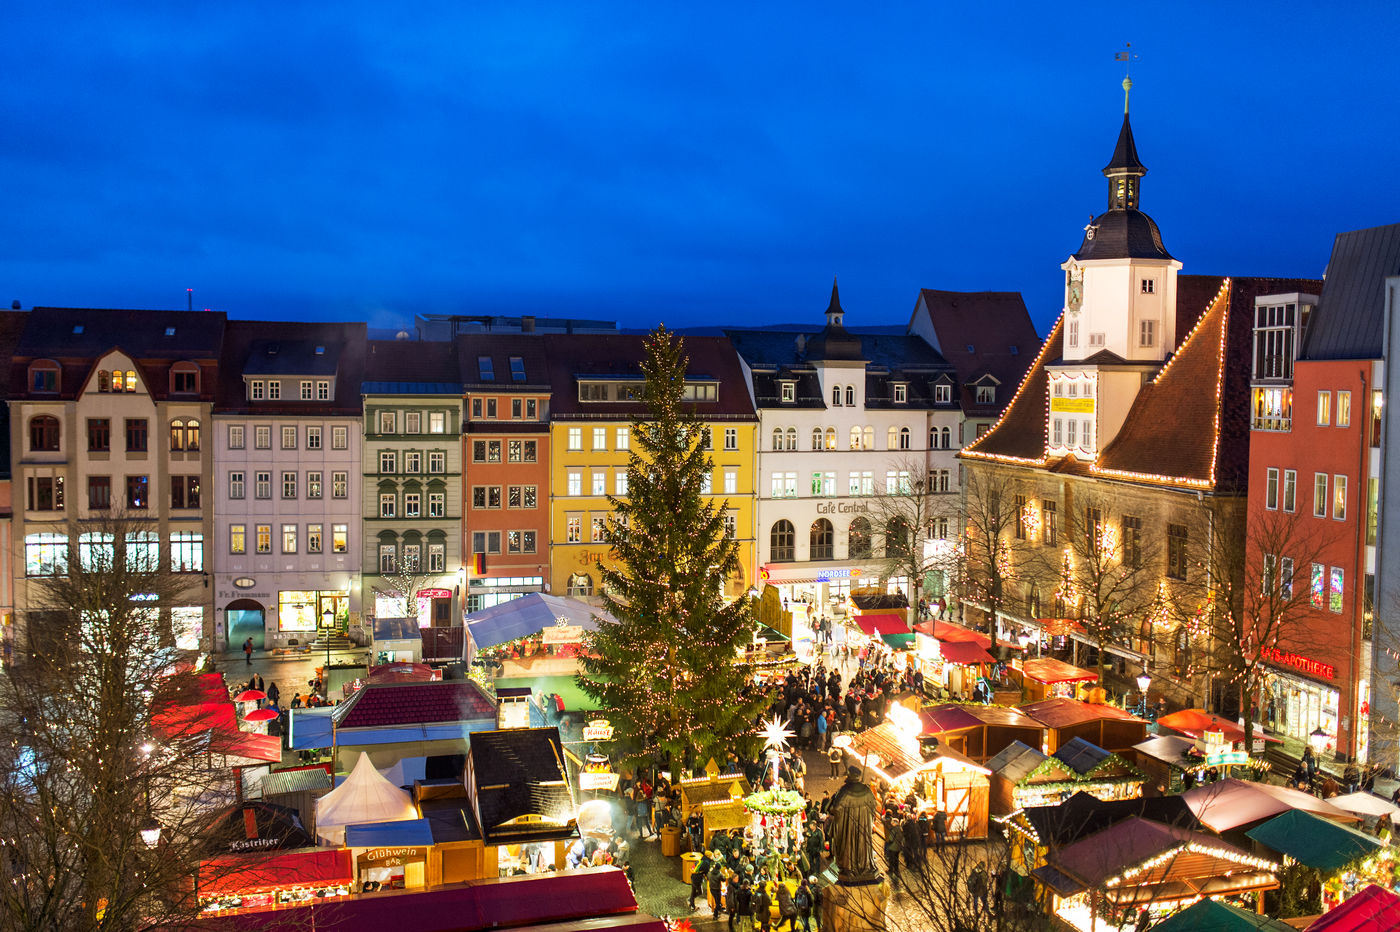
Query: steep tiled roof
[997,328]
[519,772]
[385,705]
[1350,320]
[246,349]
[500,349]
[1020,434]
[410,362]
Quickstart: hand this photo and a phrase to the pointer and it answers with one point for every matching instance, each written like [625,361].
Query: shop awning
[1232,803]
[877,623]
[249,873]
[179,721]
[409,833]
[947,631]
[249,745]
[1049,670]
[529,614]
[1314,841]
[964,652]
[898,641]
[1195,722]
[1373,908]
[1367,804]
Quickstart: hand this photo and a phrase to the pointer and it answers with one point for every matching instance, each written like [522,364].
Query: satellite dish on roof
[402,335]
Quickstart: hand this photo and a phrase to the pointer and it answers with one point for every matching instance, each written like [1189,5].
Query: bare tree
[913,515]
[402,585]
[85,773]
[990,513]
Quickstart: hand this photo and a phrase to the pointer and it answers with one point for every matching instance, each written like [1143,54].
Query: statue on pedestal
[853,810]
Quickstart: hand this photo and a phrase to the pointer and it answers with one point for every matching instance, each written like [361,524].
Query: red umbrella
[260,715]
[250,695]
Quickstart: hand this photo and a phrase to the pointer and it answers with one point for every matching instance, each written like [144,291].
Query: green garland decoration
[775,802]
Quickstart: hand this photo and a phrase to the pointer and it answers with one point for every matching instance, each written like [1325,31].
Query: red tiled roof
[383,705]
[1020,434]
[991,322]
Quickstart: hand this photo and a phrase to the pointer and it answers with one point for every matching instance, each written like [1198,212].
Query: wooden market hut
[980,731]
[1022,776]
[940,777]
[1035,832]
[521,797]
[719,797]
[1164,866]
[1043,677]
[1107,726]
[1105,774]
[1166,762]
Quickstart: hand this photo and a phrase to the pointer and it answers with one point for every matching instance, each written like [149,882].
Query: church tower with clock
[1119,314]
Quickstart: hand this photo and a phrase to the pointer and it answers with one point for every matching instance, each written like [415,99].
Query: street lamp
[150,832]
[1143,681]
[327,619]
[1317,740]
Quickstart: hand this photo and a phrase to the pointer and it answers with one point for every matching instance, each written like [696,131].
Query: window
[437,422]
[531,414]
[262,484]
[477,409]
[412,461]
[600,438]
[412,556]
[574,527]
[235,436]
[257,389]
[787,391]
[517,369]
[238,538]
[485,369]
[491,409]
[836,395]
[731,481]
[1132,541]
[313,538]
[1073,339]
[1070,425]
[1339,497]
[99,492]
[600,480]
[731,525]
[486,496]
[515,408]
[901,393]
[855,438]
[575,480]
[1050,523]
[45,554]
[306,390]
[620,483]
[1290,489]
[387,558]
[1176,551]
[986,394]
[821,540]
[1319,495]
[184,491]
[1343,409]
[96,552]
[262,437]
[1018,527]
[386,504]
[389,461]
[437,504]
[340,485]
[340,538]
[45,493]
[412,422]
[289,538]
[896,538]
[1149,286]
[1097,339]
[1271,488]
[412,504]
[99,434]
[784,485]
[1147,333]
[830,438]
[850,395]
[289,484]
[1285,580]
[235,484]
[437,461]
[1324,409]
[598,529]
[817,441]
[731,438]
[274,390]
[904,438]
[289,438]
[523,451]
[313,438]
[1373,488]
[868,438]
[437,555]
[781,546]
[386,422]
[940,480]
[575,438]
[939,529]
[942,394]
[323,390]
[136,434]
[340,438]
[137,488]
[1334,596]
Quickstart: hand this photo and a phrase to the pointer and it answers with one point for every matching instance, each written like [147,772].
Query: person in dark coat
[803,901]
[698,878]
[913,850]
[762,905]
[731,899]
[787,909]
[893,840]
[940,826]
[717,887]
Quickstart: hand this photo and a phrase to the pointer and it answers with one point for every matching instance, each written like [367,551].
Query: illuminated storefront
[1296,705]
[304,610]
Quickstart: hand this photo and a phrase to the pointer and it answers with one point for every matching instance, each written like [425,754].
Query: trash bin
[689,861]
[670,841]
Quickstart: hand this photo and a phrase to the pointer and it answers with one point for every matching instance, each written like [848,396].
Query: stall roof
[1167,749]
[390,705]
[408,833]
[1048,670]
[955,717]
[1085,757]
[1083,815]
[254,825]
[964,652]
[520,786]
[947,631]
[1195,722]
[1366,804]
[881,623]
[365,796]
[1133,841]
[1015,761]
[296,781]
[1371,909]
[308,729]
[1231,803]
[1060,712]
[703,790]
[248,873]
[1314,841]
[1214,916]
[529,614]
[249,745]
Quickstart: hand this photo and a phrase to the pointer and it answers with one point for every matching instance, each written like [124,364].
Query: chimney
[801,343]
[527,323]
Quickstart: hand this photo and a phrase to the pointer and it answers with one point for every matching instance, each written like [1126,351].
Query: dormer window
[700,391]
[77,328]
[901,393]
[43,377]
[257,390]
[517,369]
[320,351]
[787,392]
[971,348]
[485,369]
[184,379]
[943,394]
[170,331]
[986,394]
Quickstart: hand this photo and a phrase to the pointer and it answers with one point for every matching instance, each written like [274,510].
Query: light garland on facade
[1036,365]
[1192,847]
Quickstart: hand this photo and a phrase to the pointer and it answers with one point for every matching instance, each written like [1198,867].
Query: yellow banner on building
[1072,405]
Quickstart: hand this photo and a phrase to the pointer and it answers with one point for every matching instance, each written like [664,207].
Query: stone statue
[853,810]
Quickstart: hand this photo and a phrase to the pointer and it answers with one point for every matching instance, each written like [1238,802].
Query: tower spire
[834,313]
[1125,170]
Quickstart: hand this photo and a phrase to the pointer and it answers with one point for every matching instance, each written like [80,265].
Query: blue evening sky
[693,163]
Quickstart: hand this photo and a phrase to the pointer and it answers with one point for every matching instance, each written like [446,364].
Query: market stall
[1036,831]
[1216,916]
[1367,805]
[1023,776]
[720,800]
[1346,860]
[390,855]
[1235,804]
[885,627]
[1066,719]
[1103,774]
[1044,677]
[980,731]
[1174,763]
[396,640]
[253,881]
[1371,909]
[952,665]
[365,796]
[1194,723]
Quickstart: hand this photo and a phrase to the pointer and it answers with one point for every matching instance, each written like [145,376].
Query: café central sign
[843,508]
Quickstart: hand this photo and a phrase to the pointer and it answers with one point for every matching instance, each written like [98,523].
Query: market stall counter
[1346,859]
[719,798]
[1045,677]
[282,879]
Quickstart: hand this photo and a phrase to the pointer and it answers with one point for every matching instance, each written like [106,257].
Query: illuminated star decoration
[775,734]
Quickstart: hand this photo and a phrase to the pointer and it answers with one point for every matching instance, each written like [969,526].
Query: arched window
[1181,659]
[892,438]
[855,438]
[859,538]
[130,380]
[896,537]
[933,438]
[904,438]
[869,443]
[823,540]
[177,435]
[836,395]
[43,433]
[947,438]
[104,381]
[781,542]
[850,395]
[118,381]
[580,584]
[816,438]
[792,438]
[192,435]
[831,438]
[777,438]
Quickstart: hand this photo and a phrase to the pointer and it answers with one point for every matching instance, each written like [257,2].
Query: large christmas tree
[668,674]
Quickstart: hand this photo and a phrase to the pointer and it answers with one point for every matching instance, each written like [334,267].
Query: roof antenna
[1126,57]
[189,299]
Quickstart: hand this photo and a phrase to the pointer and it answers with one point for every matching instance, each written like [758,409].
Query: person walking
[833,756]
[762,905]
[977,886]
[821,730]
[787,908]
[803,901]
[892,845]
[273,694]
[698,878]
[248,652]
[940,826]
[717,887]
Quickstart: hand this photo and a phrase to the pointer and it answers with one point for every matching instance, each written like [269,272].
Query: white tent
[1366,804]
[365,796]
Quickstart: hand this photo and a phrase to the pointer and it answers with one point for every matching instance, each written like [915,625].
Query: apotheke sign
[1299,662]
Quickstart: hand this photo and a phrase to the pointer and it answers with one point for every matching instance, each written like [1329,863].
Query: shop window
[579,584]
[822,540]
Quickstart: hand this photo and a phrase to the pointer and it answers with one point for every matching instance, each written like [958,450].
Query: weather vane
[1126,57]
